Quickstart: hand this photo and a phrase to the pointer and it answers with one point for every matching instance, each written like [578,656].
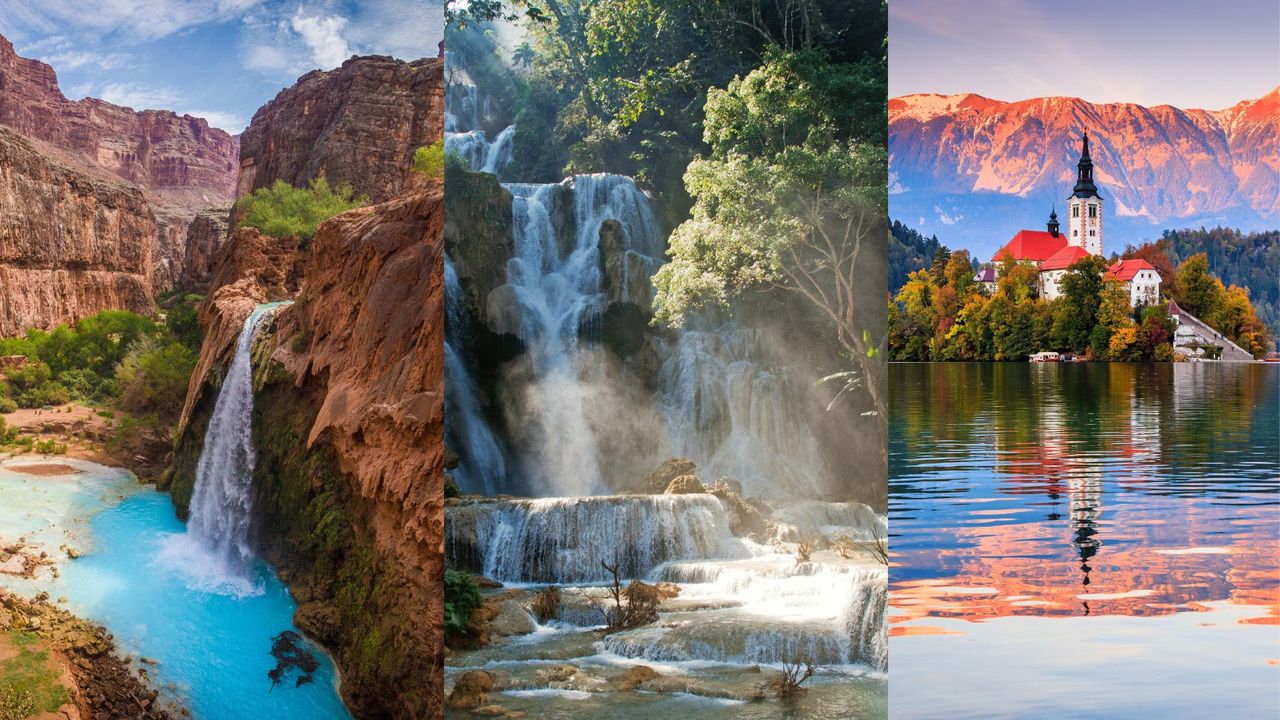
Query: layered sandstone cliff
[349,414]
[175,170]
[357,124]
[71,244]
[179,158]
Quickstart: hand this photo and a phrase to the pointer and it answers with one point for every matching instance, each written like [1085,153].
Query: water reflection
[1089,489]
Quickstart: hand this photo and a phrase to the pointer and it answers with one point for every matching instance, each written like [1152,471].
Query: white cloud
[406,29]
[72,59]
[231,122]
[267,58]
[323,35]
[138,96]
[139,19]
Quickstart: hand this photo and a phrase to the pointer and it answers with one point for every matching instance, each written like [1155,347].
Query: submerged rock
[632,678]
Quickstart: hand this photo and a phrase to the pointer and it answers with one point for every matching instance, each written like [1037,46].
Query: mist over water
[215,551]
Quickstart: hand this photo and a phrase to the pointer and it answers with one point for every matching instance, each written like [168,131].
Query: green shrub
[183,321]
[152,378]
[429,159]
[50,447]
[283,210]
[451,489]
[27,680]
[7,405]
[461,596]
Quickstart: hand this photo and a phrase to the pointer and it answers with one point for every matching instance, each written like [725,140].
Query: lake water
[212,649]
[1084,540]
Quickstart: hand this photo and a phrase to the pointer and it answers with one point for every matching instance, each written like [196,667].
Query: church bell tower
[1084,207]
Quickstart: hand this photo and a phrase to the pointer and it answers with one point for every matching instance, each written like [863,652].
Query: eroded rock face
[363,345]
[250,269]
[171,166]
[357,124]
[179,158]
[71,244]
[205,235]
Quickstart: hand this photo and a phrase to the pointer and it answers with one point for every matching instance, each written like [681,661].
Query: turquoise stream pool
[211,647]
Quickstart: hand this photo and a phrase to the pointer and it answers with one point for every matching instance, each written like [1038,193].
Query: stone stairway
[1192,329]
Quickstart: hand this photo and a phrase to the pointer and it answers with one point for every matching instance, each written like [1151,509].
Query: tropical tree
[786,199]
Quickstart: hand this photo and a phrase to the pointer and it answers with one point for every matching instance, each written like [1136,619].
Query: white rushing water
[481,465]
[716,397]
[553,297]
[215,550]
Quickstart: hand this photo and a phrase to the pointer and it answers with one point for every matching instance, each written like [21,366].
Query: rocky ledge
[104,686]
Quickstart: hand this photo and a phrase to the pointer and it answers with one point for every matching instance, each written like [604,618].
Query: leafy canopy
[283,210]
[429,159]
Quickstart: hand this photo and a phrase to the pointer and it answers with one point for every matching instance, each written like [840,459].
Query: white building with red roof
[1053,252]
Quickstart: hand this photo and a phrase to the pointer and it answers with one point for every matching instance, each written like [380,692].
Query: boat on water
[1046,356]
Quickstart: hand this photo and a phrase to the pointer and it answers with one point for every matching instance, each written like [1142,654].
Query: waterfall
[735,416]
[215,550]
[481,465]
[468,110]
[781,610]
[553,297]
[564,540]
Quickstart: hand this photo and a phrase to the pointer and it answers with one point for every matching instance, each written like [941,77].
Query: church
[1053,251]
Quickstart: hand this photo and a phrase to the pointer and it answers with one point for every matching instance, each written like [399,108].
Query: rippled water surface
[1089,540]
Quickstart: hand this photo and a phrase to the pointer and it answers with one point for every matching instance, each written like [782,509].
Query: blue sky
[218,59]
[1185,53]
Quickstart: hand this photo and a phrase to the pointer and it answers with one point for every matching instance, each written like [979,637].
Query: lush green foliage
[283,210]
[620,85]
[908,251]
[461,596]
[114,356]
[940,314]
[1246,260]
[27,680]
[429,159]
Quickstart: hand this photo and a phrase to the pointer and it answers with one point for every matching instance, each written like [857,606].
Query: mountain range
[974,171]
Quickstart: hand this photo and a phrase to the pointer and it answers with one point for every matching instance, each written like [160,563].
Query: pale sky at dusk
[1207,55]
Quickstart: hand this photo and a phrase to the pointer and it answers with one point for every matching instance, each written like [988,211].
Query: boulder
[632,678]
[658,480]
[684,485]
[471,690]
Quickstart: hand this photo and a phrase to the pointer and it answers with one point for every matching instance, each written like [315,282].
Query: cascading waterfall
[719,401]
[481,465]
[733,414]
[215,550]
[556,540]
[552,298]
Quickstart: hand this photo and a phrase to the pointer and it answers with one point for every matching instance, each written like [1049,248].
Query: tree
[916,320]
[1197,291]
[1076,311]
[959,272]
[785,200]
[523,55]
[283,210]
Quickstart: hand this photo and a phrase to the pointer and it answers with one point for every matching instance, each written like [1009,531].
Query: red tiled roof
[1062,259]
[1034,245]
[1128,269]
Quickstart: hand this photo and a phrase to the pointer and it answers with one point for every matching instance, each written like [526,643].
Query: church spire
[1085,187]
[1053,222]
